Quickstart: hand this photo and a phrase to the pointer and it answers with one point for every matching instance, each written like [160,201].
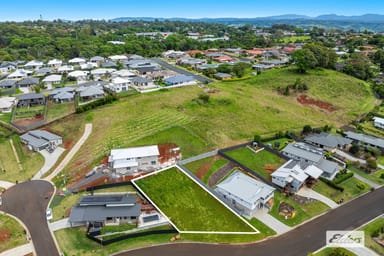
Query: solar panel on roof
[104,199]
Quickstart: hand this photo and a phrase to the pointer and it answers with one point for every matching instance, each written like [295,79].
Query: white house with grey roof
[366,140]
[292,175]
[132,160]
[38,140]
[105,210]
[6,104]
[51,80]
[327,141]
[244,193]
[308,154]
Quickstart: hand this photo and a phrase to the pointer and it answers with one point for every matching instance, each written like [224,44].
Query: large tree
[378,58]
[304,60]
[359,66]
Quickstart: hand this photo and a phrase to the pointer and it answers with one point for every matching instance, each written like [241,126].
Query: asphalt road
[181,71]
[300,241]
[28,201]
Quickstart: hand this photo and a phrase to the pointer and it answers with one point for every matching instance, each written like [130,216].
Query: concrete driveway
[307,192]
[50,160]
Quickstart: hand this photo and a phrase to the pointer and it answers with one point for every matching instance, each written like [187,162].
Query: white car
[49,214]
[1,201]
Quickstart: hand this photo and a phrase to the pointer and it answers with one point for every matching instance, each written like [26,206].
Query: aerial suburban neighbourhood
[191,136]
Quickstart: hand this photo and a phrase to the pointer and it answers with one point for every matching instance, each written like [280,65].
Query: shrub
[342,177]
[332,184]
[360,186]
[382,176]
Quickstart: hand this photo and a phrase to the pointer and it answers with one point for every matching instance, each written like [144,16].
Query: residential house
[88,65]
[28,82]
[98,60]
[51,80]
[8,83]
[19,73]
[223,76]
[293,175]
[118,57]
[224,59]
[119,84]
[38,140]
[262,67]
[147,70]
[79,75]
[142,82]
[77,61]
[90,92]
[133,160]
[43,71]
[109,64]
[6,104]
[101,210]
[207,66]
[65,69]
[276,62]
[378,122]
[171,54]
[161,74]
[191,62]
[179,80]
[55,63]
[61,94]
[245,194]
[366,140]
[309,154]
[30,100]
[34,64]
[123,73]
[7,66]
[327,141]
[254,52]
[99,73]
[135,57]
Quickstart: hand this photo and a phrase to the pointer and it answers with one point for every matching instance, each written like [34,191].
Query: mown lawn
[13,232]
[303,212]
[263,162]
[57,110]
[350,189]
[215,163]
[31,161]
[6,117]
[294,39]
[334,251]
[235,113]
[374,177]
[188,206]
[369,229]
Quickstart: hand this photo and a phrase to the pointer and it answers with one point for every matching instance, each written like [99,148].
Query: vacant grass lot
[294,39]
[188,206]
[369,230]
[238,111]
[57,110]
[263,162]
[303,212]
[31,161]
[12,233]
[350,189]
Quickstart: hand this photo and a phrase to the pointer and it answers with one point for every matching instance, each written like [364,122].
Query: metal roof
[30,96]
[178,79]
[328,166]
[245,187]
[328,140]
[291,170]
[107,200]
[366,139]
[304,151]
[7,83]
[126,153]
[44,134]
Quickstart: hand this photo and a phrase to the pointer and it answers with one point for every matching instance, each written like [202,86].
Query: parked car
[49,214]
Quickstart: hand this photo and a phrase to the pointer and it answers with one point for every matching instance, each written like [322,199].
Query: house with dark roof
[222,76]
[179,80]
[28,82]
[90,92]
[7,66]
[30,100]
[366,140]
[101,210]
[7,83]
[245,193]
[142,82]
[327,141]
[308,154]
[38,140]
[43,71]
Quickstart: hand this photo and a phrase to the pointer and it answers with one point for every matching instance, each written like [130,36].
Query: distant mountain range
[373,22]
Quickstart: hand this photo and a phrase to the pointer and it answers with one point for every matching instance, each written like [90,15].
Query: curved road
[300,241]
[28,201]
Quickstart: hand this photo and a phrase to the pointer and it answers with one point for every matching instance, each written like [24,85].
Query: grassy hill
[235,112]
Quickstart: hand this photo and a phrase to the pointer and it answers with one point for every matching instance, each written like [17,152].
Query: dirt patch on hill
[27,121]
[205,168]
[4,235]
[305,100]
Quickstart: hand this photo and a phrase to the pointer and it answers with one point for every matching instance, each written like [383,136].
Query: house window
[128,168]
[153,162]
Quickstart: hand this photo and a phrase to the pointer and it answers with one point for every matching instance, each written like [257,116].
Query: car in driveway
[49,214]
[1,201]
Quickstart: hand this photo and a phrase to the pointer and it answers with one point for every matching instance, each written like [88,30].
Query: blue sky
[107,9]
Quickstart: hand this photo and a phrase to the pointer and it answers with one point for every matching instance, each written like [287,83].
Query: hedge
[342,177]
[106,100]
[332,184]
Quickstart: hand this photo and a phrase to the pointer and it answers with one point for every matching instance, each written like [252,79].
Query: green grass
[237,112]
[28,112]
[57,110]
[15,231]
[303,212]
[182,200]
[283,142]
[119,228]
[370,129]
[215,163]
[369,229]
[375,177]
[73,242]
[257,162]
[350,190]
[331,251]
[196,165]
[31,161]
[294,39]
[6,117]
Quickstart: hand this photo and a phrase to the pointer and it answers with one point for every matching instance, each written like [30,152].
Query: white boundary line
[209,192]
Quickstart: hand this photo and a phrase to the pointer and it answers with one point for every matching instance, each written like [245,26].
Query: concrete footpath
[307,192]
[21,250]
[370,183]
[71,154]
[270,221]
[6,184]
